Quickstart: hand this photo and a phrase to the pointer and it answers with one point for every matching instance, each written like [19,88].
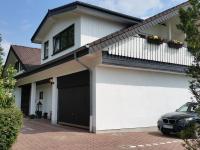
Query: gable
[13,60]
[138,28]
[27,58]
[79,8]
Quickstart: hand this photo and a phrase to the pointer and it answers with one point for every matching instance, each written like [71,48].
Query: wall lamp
[51,81]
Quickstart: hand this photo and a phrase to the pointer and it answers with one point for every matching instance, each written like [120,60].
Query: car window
[183,108]
[189,107]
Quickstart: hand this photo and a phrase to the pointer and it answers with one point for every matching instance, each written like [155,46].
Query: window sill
[19,72]
[54,53]
[45,58]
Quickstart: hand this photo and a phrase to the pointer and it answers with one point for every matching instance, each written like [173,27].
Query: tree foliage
[10,115]
[190,25]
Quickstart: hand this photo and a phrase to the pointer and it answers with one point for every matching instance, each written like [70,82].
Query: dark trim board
[140,63]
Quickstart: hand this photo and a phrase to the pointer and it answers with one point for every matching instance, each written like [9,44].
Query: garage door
[74,99]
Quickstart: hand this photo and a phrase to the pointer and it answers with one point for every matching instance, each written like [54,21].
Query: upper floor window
[18,66]
[63,40]
[46,50]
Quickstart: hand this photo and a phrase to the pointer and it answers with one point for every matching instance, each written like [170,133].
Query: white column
[17,93]
[170,31]
[93,100]
[54,101]
[33,99]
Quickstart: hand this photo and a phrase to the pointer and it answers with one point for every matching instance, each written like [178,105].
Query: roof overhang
[83,8]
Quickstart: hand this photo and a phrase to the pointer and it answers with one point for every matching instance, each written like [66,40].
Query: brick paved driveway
[39,135]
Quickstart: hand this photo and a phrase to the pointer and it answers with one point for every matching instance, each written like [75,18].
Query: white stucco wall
[131,98]
[47,97]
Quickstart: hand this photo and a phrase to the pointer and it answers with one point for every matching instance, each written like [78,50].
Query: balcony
[137,47]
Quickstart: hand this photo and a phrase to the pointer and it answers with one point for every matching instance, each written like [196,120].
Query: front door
[25,99]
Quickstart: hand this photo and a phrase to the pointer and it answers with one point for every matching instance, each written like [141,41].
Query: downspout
[90,72]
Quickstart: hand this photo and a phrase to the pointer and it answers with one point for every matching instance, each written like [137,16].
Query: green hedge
[10,125]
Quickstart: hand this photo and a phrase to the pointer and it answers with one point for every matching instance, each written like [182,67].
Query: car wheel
[197,130]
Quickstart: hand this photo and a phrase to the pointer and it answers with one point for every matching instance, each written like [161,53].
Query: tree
[10,115]
[189,24]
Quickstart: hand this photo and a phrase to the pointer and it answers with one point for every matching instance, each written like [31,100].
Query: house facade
[102,70]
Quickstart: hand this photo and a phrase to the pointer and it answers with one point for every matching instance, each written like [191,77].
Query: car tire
[197,131]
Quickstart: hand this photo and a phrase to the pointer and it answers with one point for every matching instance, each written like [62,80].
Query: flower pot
[32,116]
[175,45]
[154,40]
[45,116]
[39,114]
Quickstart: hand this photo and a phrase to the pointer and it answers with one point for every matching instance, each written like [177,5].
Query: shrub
[10,125]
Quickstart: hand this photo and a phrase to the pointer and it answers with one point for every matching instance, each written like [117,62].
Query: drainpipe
[90,71]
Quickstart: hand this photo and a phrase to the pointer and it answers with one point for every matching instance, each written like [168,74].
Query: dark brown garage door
[74,99]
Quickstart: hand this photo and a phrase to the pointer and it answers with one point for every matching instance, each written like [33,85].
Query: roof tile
[30,57]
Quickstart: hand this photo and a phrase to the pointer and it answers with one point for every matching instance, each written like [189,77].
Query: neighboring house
[96,69]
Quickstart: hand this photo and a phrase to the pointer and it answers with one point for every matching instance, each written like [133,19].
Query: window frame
[41,95]
[46,51]
[59,38]
[18,66]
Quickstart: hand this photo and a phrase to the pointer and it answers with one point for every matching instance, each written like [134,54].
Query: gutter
[91,103]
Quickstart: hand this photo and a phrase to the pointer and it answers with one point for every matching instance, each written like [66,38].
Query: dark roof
[135,29]
[29,57]
[73,6]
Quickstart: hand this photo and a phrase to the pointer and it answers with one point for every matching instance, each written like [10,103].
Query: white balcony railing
[137,47]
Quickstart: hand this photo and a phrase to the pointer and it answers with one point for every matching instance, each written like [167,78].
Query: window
[63,40]
[46,50]
[41,95]
[188,107]
[18,66]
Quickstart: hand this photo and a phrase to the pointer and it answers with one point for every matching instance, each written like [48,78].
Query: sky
[20,18]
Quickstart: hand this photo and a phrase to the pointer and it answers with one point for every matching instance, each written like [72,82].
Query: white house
[97,70]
